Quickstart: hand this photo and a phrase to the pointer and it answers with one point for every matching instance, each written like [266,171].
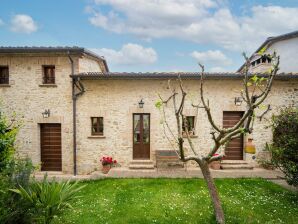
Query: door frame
[133,135]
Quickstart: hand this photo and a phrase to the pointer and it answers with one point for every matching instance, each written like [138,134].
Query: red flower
[107,161]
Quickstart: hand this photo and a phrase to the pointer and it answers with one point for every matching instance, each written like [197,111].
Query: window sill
[5,85]
[191,136]
[47,85]
[97,136]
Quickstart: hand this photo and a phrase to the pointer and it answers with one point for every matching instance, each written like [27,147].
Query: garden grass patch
[181,201]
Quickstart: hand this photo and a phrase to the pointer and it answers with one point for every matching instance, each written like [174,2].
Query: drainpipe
[74,118]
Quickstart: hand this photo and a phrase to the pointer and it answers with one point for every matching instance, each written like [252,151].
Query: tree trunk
[219,214]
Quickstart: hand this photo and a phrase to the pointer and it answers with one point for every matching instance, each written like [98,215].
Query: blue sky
[150,35]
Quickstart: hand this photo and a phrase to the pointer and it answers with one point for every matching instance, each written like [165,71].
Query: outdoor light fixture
[238,101]
[141,104]
[46,113]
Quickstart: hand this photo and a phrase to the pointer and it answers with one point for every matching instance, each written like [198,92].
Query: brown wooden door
[141,136]
[50,145]
[234,151]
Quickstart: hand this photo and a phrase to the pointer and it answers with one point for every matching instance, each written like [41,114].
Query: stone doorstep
[235,165]
[141,164]
[234,162]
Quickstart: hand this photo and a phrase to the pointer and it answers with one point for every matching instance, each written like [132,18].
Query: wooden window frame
[4,78]
[48,80]
[97,126]
[193,124]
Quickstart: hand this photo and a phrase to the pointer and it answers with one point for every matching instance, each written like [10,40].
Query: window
[190,125]
[264,60]
[4,75]
[48,74]
[97,125]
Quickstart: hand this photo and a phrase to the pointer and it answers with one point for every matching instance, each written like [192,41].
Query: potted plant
[215,165]
[107,163]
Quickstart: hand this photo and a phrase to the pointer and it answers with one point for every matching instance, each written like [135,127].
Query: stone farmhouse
[75,111]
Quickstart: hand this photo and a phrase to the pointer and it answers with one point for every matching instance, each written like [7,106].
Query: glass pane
[100,124]
[145,129]
[136,128]
[190,122]
[94,129]
[94,121]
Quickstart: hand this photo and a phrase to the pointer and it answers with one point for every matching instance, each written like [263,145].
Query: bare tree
[255,90]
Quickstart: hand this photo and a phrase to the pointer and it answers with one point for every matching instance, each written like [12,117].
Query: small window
[4,75]
[259,61]
[97,125]
[264,60]
[253,63]
[190,125]
[48,74]
[269,60]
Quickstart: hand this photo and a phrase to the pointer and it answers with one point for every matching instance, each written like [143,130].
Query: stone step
[234,162]
[147,162]
[141,166]
[236,166]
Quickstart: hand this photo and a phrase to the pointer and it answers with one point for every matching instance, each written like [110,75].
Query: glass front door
[141,136]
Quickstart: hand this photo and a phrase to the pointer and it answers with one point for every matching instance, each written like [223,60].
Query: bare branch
[265,112]
[270,81]
[187,135]
[245,81]
[206,107]
[197,106]
[216,158]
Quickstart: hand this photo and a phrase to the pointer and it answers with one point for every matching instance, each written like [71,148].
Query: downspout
[74,118]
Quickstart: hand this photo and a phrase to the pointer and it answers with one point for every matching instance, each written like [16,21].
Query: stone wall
[87,64]
[28,97]
[117,100]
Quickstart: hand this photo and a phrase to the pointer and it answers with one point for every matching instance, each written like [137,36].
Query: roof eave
[166,76]
[270,41]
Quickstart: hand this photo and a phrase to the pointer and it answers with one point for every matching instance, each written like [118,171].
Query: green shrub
[12,208]
[48,199]
[284,148]
[8,134]
[13,173]
[19,171]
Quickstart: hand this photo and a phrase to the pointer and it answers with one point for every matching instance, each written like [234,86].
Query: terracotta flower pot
[215,165]
[106,168]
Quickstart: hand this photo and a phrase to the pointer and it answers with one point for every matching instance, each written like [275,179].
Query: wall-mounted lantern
[238,101]
[46,113]
[141,103]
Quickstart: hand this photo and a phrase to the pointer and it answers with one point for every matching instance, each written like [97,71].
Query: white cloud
[1,22]
[212,57]
[22,23]
[199,21]
[129,54]
[217,69]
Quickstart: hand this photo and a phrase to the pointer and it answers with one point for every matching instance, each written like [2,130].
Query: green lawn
[181,201]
